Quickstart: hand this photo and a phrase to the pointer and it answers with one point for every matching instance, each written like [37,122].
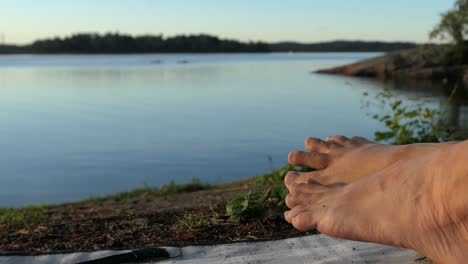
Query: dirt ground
[193,218]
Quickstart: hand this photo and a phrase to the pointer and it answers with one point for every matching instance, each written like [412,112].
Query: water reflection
[77,126]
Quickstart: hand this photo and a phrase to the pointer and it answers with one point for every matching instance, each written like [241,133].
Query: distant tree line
[10,49]
[340,46]
[119,43]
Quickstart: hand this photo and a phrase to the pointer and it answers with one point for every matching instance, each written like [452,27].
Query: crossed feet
[413,196]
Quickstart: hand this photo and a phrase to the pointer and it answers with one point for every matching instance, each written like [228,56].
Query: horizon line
[5,43]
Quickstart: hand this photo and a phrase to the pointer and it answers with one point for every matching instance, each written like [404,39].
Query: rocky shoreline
[422,63]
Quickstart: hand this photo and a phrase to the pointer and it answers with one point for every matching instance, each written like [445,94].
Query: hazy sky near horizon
[22,21]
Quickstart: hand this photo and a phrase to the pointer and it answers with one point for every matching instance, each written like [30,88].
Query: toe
[305,217]
[289,215]
[308,159]
[291,177]
[360,140]
[305,221]
[341,140]
[302,198]
[317,145]
[309,187]
[302,177]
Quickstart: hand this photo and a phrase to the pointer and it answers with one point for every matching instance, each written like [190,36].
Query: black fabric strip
[133,256]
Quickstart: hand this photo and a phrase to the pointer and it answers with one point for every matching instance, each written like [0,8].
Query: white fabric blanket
[317,249]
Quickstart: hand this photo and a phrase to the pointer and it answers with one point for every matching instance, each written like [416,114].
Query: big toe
[314,160]
[317,145]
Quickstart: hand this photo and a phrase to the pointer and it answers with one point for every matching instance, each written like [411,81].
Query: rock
[422,63]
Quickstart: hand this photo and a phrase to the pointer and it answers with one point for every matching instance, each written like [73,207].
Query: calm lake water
[80,126]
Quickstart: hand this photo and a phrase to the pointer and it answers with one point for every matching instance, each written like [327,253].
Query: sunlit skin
[417,201]
[341,160]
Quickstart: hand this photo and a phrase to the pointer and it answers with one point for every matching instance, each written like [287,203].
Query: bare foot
[340,160]
[419,203]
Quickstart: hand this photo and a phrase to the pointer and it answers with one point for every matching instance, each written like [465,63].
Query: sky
[22,21]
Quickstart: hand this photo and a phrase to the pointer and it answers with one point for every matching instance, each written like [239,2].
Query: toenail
[312,181]
[293,188]
[293,156]
[289,177]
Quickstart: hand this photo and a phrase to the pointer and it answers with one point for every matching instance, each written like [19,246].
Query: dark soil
[173,220]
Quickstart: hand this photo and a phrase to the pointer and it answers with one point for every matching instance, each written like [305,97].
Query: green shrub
[411,123]
[274,177]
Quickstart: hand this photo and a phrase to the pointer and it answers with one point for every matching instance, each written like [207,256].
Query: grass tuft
[26,216]
[194,185]
[33,214]
[266,196]
[190,221]
[171,188]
